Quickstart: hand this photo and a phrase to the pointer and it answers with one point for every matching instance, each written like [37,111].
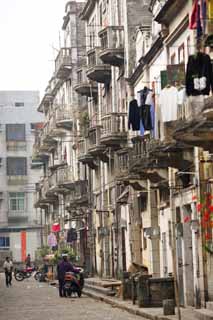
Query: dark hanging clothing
[199,68]
[142,95]
[71,235]
[146,117]
[134,115]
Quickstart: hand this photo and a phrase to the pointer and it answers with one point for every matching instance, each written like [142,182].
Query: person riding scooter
[63,267]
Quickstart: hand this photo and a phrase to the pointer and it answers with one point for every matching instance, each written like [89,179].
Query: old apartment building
[20,226]
[127,142]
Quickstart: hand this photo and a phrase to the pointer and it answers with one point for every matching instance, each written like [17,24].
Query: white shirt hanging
[168,102]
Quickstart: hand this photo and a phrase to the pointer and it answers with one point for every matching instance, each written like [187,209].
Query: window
[19,104]
[16,166]
[173,58]
[4,243]
[16,201]
[181,54]
[15,132]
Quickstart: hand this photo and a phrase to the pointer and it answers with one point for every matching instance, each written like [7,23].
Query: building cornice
[87,10]
[168,11]
[155,48]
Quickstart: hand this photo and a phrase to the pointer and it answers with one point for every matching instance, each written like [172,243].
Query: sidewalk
[148,313]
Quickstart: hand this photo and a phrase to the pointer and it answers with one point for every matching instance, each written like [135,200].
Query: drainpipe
[174,251]
[202,252]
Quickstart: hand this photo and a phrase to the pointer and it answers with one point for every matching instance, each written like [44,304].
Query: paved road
[30,300]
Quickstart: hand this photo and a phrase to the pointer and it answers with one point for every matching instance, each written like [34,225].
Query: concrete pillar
[155,241]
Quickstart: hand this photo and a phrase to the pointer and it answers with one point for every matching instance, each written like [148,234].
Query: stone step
[209,305]
[99,289]
[204,314]
[104,283]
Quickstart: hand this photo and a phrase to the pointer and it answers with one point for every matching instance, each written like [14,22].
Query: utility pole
[174,251]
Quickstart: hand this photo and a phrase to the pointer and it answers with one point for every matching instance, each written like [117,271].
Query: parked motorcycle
[21,274]
[73,283]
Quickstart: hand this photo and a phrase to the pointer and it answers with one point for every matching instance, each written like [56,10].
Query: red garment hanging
[56,227]
[193,18]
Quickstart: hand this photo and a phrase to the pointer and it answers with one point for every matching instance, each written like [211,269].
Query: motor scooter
[73,283]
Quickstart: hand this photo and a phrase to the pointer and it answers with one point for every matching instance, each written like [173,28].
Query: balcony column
[155,242]
[136,231]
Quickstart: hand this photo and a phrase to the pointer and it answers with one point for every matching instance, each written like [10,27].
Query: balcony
[114,130]
[122,164]
[54,187]
[84,156]
[43,197]
[85,87]
[112,45]
[167,10]
[151,158]
[63,63]
[64,117]
[48,135]
[78,197]
[55,84]
[46,101]
[65,177]
[46,192]
[95,148]
[198,129]
[97,70]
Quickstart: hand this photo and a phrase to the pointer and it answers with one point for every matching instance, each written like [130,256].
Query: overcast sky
[28,30]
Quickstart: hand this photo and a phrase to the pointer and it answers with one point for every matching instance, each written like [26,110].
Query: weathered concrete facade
[144,189]
[18,218]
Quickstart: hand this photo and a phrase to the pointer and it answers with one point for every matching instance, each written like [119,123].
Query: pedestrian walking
[63,267]
[28,261]
[8,268]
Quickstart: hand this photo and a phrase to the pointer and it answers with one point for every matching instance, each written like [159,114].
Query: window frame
[15,126]
[17,202]
[6,243]
[10,173]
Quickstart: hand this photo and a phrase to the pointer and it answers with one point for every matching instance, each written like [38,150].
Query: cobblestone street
[31,300]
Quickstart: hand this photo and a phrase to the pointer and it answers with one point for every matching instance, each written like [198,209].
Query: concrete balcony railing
[55,84]
[112,45]
[95,148]
[196,128]
[85,87]
[97,70]
[122,164]
[83,154]
[78,197]
[64,117]
[114,129]
[151,158]
[65,177]
[63,63]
